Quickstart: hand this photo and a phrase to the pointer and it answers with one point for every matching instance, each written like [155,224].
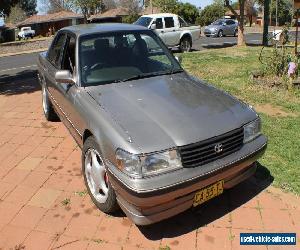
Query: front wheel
[220,33]
[96,178]
[185,44]
[235,33]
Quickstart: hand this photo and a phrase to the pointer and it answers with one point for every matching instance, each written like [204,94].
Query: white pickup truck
[172,29]
[26,32]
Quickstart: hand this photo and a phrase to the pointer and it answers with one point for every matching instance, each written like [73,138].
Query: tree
[285,11]
[250,10]
[134,9]
[266,13]
[166,5]
[210,14]
[88,7]
[16,15]
[6,6]
[240,18]
[53,6]
[189,12]
[132,5]
[29,6]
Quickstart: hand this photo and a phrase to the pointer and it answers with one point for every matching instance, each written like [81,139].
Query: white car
[26,32]
[172,29]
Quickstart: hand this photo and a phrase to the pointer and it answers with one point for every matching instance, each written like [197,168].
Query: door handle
[162,31]
[173,30]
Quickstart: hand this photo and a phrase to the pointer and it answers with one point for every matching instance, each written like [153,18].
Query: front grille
[200,153]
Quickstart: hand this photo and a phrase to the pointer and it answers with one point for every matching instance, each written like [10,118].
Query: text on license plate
[208,193]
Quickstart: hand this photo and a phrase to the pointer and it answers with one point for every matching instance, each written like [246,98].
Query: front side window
[54,53]
[218,22]
[182,22]
[169,22]
[120,56]
[68,62]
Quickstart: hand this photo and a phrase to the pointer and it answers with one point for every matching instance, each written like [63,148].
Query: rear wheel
[96,178]
[48,109]
[185,44]
[235,33]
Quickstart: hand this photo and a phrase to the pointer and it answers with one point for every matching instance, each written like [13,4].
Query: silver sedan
[222,27]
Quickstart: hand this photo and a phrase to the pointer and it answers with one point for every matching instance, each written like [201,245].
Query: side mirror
[179,59]
[153,26]
[64,76]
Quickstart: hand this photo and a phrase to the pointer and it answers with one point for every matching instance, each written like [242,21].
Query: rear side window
[54,53]
[159,23]
[230,22]
[169,22]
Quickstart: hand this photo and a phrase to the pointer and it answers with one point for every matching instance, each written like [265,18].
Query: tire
[48,109]
[185,44]
[102,193]
[235,34]
[220,33]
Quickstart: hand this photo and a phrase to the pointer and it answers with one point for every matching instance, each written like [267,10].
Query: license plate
[208,193]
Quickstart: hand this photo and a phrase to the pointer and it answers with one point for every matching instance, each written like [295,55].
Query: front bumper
[212,33]
[150,203]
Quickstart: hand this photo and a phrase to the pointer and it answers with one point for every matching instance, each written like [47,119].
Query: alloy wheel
[96,175]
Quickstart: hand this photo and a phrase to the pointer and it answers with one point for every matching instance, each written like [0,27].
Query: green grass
[229,69]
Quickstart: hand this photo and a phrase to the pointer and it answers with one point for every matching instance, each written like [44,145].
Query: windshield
[143,21]
[120,56]
[218,22]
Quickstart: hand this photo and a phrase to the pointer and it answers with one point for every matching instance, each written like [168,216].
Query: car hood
[171,110]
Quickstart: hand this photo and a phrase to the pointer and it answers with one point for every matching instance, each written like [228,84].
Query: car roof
[160,15]
[85,29]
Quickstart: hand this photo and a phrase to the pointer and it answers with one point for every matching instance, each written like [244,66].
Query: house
[48,24]
[7,32]
[112,15]
[252,19]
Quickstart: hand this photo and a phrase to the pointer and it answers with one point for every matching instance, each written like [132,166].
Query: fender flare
[186,34]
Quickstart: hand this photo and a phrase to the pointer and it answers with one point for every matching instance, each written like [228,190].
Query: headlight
[145,165]
[252,130]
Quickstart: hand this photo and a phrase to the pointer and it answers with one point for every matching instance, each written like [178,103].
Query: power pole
[266,21]
[276,13]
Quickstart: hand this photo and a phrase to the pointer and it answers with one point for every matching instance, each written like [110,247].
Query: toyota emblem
[218,148]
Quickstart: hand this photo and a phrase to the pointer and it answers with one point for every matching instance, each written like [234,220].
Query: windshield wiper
[141,76]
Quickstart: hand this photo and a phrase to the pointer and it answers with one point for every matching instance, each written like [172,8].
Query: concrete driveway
[44,205]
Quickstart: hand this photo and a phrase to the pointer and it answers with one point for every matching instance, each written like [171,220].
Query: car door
[230,27]
[170,32]
[72,92]
[53,64]
[64,94]
[159,28]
